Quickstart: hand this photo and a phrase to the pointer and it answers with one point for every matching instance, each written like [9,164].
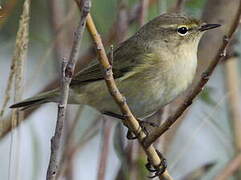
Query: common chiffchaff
[151,68]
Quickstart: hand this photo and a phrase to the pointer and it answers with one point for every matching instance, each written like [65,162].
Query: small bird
[151,68]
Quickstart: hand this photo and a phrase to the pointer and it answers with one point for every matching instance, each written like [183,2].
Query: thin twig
[68,141]
[107,126]
[130,120]
[66,73]
[89,55]
[221,54]
[88,134]
[230,169]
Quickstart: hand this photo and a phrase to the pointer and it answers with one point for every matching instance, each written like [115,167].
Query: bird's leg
[118,116]
[130,135]
[160,169]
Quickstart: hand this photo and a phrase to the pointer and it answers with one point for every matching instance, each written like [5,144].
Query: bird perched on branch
[151,68]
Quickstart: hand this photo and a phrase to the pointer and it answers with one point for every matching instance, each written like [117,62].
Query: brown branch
[114,34]
[65,159]
[230,169]
[107,126]
[130,120]
[214,11]
[67,73]
[199,86]
[71,149]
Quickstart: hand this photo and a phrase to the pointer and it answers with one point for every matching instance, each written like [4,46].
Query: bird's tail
[50,96]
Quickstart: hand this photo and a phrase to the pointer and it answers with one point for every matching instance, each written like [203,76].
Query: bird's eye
[182,30]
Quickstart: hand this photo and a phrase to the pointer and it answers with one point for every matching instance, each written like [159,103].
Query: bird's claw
[131,136]
[160,169]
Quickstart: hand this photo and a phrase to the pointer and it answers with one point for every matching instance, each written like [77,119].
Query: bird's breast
[178,75]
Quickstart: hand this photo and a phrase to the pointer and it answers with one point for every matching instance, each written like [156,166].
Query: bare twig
[130,120]
[214,11]
[107,126]
[67,73]
[68,154]
[230,169]
[114,34]
[68,141]
[199,86]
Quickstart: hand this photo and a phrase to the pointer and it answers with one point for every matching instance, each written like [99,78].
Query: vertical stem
[107,126]
[66,77]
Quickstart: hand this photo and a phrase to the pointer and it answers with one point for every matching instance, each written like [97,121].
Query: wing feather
[126,57]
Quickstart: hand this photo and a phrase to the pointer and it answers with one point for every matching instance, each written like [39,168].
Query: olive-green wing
[126,56]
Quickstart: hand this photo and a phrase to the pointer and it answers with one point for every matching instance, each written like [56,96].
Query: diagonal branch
[113,35]
[67,73]
[221,54]
[130,120]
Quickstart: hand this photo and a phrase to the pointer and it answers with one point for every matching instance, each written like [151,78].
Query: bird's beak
[208,26]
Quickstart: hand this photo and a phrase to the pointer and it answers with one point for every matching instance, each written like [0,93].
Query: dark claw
[149,167]
[130,135]
[160,169]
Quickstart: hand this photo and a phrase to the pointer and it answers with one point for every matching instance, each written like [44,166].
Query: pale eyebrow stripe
[190,26]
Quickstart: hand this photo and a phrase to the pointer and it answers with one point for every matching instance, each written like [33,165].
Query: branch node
[123,100]
[109,73]
[114,91]
[69,70]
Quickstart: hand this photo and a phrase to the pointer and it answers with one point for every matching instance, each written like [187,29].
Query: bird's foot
[144,124]
[160,169]
[130,135]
